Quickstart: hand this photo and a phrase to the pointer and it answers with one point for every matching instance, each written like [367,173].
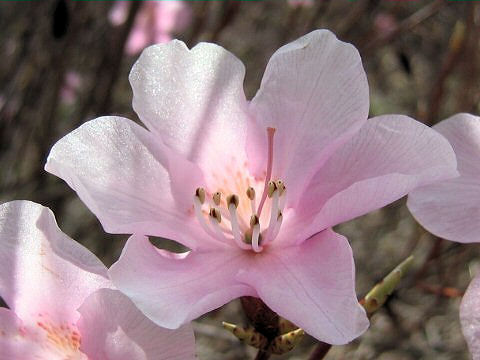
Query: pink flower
[300,3]
[154,23]
[201,172]
[451,209]
[45,277]
[70,87]
[470,317]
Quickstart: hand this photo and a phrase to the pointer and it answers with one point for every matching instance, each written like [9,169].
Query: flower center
[233,218]
[61,339]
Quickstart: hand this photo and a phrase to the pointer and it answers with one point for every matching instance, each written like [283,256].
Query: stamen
[232,208]
[215,219]
[283,200]
[270,133]
[276,229]
[271,188]
[251,196]
[273,214]
[198,212]
[255,225]
[214,213]
[278,225]
[280,186]
[200,194]
[217,197]
[233,199]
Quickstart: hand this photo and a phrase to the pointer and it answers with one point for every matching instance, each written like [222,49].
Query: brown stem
[406,25]
[262,355]
[263,319]
[320,351]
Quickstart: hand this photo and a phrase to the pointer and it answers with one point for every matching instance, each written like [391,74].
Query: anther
[251,196]
[214,213]
[232,199]
[217,197]
[255,225]
[251,193]
[200,194]
[271,187]
[254,220]
[280,186]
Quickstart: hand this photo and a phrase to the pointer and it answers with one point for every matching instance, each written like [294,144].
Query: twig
[406,25]
[320,351]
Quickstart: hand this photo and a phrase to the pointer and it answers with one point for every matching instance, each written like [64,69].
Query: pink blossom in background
[300,3]
[451,209]
[385,23]
[70,87]
[154,23]
[323,164]
[45,277]
[470,317]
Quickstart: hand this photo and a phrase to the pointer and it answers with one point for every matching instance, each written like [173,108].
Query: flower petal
[172,291]
[15,342]
[451,209]
[389,157]
[470,317]
[312,285]
[113,328]
[315,93]
[193,100]
[42,269]
[121,173]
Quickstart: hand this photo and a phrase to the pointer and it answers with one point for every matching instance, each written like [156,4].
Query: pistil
[270,134]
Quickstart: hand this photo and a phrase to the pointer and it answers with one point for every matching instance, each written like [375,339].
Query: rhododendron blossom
[251,187]
[154,23]
[62,305]
[451,209]
[470,317]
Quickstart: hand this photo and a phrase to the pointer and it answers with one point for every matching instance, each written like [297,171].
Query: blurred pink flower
[154,23]
[451,209]
[300,3]
[470,317]
[204,137]
[45,277]
[70,87]
[385,23]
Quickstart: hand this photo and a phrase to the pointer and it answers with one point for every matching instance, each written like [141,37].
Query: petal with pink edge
[119,170]
[173,290]
[315,93]
[451,209]
[389,157]
[193,100]
[312,285]
[113,328]
[470,317]
[41,266]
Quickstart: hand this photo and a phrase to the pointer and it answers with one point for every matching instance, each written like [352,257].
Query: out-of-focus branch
[451,60]
[406,25]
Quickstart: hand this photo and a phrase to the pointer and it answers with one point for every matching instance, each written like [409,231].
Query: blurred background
[64,62]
